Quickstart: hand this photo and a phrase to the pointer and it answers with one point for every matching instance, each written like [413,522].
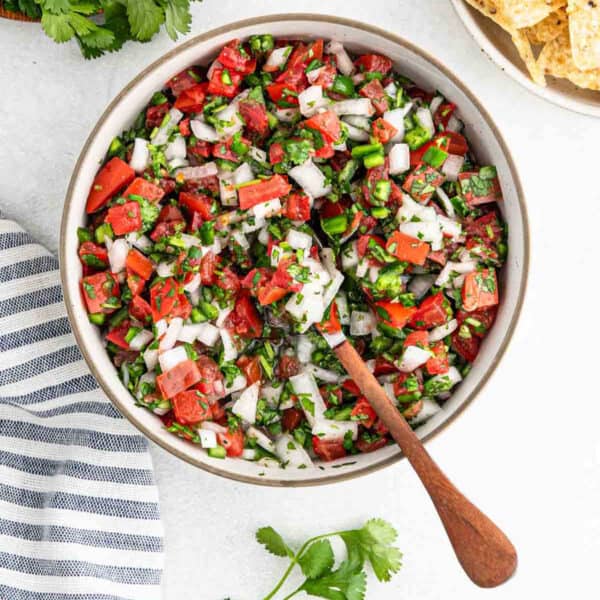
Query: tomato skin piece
[278,92]
[397,315]
[124,218]
[185,80]
[296,207]
[232,441]
[156,114]
[480,290]
[97,289]
[468,348]
[267,189]
[211,378]
[276,153]
[135,283]
[254,115]
[118,333]
[364,412]
[373,63]
[244,319]
[375,92]
[494,194]
[287,367]
[146,189]
[139,264]
[269,294]
[328,450]
[382,130]
[417,338]
[232,58]
[192,100]
[163,296]
[331,322]
[438,364]
[200,203]
[178,379]
[113,176]
[431,312]
[291,419]
[139,309]
[327,124]
[217,87]
[250,366]
[485,316]
[406,248]
[442,115]
[98,252]
[422,181]
[190,407]
[370,446]
[208,264]
[384,367]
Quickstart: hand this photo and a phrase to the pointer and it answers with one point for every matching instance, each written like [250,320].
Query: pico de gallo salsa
[257,207]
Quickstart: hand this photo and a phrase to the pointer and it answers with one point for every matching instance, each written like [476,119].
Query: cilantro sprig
[372,543]
[101,26]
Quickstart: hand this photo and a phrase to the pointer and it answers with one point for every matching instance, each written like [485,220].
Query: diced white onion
[454,124]
[334,339]
[425,119]
[165,269]
[311,179]
[354,106]
[440,332]
[254,224]
[238,383]
[229,120]
[362,323]
[148,377]
[399,159]
[328,260]
[287,115]
[395,118]
[171,358]
[176,148]
[268,209]
[141,339]
[327,429]
[227,191]
[223,314]
[117,255]
[425,231]
[203,131]
[429,408]
[435,104]
[208,438]
[362,268]
[258,154]
[307,306]
[271,394]
[291,453]
[450,228]
[151,359]
[245,406]
[239,237]
[311,100]
[173,331]
[263,440]
[359,122]
[304,348]
[161,136]
[355,134]
[332,288]
[410,209]
[205,170]
[305,384]
[325,375]
[278,58]
[343,310]
[140,157]
[299,240]
[193,284]
[343,61]
[230,351]
[161,327]
[390,89]
[350,256]
[139,241]
[243,174]
[412,358]
[452,166]
[452,269]
[419,285]
[445,202]
[212,426]
[453,376]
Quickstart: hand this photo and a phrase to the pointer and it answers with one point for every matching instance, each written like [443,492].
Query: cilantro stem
[294,562]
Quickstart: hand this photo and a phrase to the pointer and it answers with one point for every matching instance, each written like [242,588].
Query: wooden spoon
[485,553]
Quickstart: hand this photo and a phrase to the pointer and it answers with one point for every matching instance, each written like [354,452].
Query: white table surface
[528,449]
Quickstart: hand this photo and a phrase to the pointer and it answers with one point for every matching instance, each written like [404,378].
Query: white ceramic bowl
[497,44]
[409,60]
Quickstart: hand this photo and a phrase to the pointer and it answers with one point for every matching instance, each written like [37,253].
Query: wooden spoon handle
[485,553]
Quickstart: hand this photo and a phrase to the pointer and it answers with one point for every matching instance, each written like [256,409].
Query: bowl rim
[265,20]
[465,13]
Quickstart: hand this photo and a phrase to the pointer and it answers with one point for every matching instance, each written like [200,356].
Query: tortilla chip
[556,59]
[584,28]
[523,45]
[492,10]
[548,29]
[525,13]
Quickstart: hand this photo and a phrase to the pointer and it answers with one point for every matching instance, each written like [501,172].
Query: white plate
[496,43]
[409,60]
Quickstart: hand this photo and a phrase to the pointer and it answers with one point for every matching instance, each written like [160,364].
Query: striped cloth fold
[79,517]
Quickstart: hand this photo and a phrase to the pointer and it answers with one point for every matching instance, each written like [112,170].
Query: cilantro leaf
[345,583]
[317,560]
[115,19]
[27,7]
[56,6]
[57,27]
[145,18]
[82,25]
[99,38]
[272,542]
[177,17]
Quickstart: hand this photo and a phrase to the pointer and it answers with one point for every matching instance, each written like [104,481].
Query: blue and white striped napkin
[79,517]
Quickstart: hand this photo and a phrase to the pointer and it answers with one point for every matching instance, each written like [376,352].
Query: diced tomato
[135,283]
[200,203]
[267,189]
[170,220]
[146,189]
[276,153]
[364,241]
[327,124]
[139,264]
[351,387]
[139,309]
[156,114]
[487,228]
[407,248]
[228,280]
[183,81]
[184,127]
[331,396]
[366,444]
[438,364]
[479,321]
[326,76]
[303,54]
[438,257]
[163,298]
[331,321]
[431,312]
[422,182]
[244,318]
[325,151]
[375,92]
[328,450]
[93,255]
[382,130]
[235,57]
[283,94]
[98,289]
[190,407]
[270,293]
[468,348]
[117,335]
[219,82]
[113,176]
[394,314]
[211,378]
[232,441]
[291,418]
[193,99]
[208,265]
[417,338]
[442,115]
[455,143]
[124,218]
[200,148]
[364,413]
[480,290]
[250,366]
[254,115]
[178,379]
[373,63]
[480,187]
[416,93]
